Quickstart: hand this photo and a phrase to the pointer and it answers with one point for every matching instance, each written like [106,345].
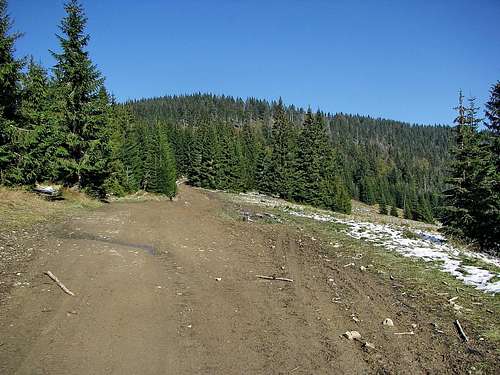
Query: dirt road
[148,301]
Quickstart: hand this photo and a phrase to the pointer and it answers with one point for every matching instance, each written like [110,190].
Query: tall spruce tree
[283,153]
[35,136]
[10,73]
[489,230]
[85,151]
[311,160]
[461,203]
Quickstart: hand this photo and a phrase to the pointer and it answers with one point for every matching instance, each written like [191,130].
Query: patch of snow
[428,246]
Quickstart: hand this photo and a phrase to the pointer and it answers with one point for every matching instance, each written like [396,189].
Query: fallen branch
[61,285]
[461,331]
[274,278]
[404,333]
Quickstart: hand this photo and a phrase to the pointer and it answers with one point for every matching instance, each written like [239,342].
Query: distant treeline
[228,143]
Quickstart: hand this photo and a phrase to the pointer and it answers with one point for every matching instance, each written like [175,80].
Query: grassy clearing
[20,208]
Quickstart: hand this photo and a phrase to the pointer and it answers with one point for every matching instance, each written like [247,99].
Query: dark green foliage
[10,73]
[471,201]
[284,148]
[370,158]
[33,137]
[490,216]
[394,211]
[85,151]
[65,128]
[382,207]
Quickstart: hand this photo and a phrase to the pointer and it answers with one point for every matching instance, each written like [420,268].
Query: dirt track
[148,302]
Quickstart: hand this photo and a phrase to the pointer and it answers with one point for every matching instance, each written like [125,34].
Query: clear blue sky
[398,59]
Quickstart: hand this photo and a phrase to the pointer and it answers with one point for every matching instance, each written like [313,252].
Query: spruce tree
[10,73]
[283,153]
[460,199]
[35,135]
[166,164]
[312,160]
[394,211]
[489,230]
[382,207]
[84,161]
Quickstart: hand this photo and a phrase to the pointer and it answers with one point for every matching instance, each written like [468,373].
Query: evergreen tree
[460,199]
[489,196]
[34,136]
[131,151]
[166,166]
[283,153]
[408,208]
[10,74]
[312,160]
[84,157]
[394,211]
[382,207]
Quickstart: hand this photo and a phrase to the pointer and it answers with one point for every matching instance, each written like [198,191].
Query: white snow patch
[426,245]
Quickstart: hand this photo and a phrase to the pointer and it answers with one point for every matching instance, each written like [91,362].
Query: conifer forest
[244,187]
[63,126]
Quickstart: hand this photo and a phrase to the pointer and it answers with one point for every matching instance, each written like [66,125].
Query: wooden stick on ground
[274,278]
[461,330]
[404,333]
[61,285]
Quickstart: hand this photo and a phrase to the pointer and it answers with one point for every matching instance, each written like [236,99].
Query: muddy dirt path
[148,301]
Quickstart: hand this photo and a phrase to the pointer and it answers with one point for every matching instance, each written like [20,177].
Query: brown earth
[148,301]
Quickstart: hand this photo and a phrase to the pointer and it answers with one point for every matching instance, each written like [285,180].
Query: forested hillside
[231,143]
[62,126]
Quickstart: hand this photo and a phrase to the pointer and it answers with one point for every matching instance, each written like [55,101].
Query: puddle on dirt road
[91,237]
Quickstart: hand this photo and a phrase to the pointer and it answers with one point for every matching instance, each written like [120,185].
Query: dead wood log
[58,282]
[461,331]
[274,278]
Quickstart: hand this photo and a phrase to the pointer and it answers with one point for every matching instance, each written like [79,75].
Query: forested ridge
[62,126]
[373,160]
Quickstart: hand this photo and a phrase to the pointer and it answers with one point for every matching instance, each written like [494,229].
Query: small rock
[218,279]
[368,345]
[388,322]
[362,268]
[414,325]
[352,335]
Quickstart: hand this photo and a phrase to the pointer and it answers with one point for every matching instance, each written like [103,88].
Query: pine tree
[283,153]
[460,199]
[312,160]
[382,207]
[250,150]
[35,135]
[131,155]
[10,73]
[394,211]
[408,208]
[84,107]
[166,164]
[489,229]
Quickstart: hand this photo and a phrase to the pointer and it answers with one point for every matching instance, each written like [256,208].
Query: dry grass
[20,208]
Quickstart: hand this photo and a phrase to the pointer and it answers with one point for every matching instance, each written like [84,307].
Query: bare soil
[149,301]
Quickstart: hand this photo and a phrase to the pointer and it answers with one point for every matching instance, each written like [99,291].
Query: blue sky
[400,59]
